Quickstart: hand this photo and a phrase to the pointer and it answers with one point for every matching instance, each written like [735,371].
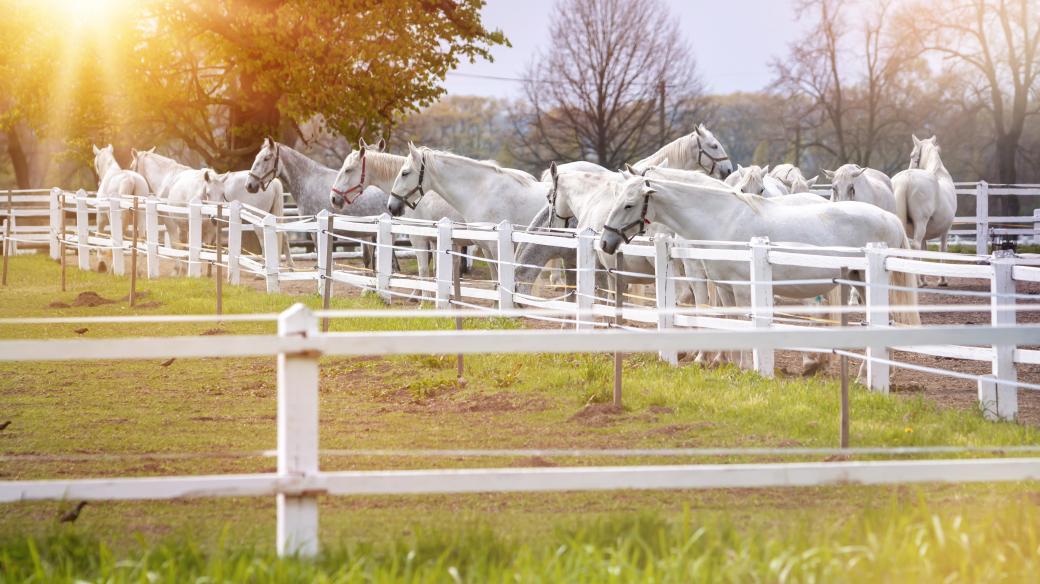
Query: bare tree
[995,44]
[848,115]
[596,93]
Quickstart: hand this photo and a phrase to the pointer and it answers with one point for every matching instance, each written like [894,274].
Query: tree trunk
[19,160]
[1007,171]
[254,117]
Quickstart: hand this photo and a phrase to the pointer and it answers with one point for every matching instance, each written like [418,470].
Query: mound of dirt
[90,299]
[597,414]
[58,305]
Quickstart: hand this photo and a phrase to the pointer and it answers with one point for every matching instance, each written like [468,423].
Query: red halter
[358,188]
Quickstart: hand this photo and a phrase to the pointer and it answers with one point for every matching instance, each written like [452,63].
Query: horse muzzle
[396,206]
[253,186]
[609,242]
[337,202]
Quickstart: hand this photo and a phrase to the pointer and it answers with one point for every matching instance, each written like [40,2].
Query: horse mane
[748,199]
[384,163]
[680,153]
[524,178]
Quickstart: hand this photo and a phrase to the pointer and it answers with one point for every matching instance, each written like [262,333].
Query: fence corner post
[195,237]
[384,256]
[762,301]
[443,264]
[877,308]
[982,218]
[664,290]
[297,433]
[506,266]
[322,240]
[55,223]
[151,235]
[1002,309]
[272,262]
[585,295]
[82,231]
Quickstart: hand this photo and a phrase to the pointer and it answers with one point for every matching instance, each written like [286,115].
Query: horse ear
[362,144]
[152,150]
[740,168]
[413,150]
[917,141]
[553,171]
[631,169]
[812,182]
[96,151]
[765,169]
[701,129]
[207,176]
[829,174]
[859,172]
[381,146]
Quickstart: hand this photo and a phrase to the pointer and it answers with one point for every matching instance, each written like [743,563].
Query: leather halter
[642,222]
[405,198]
[359,188]
[701,152]
[551,197]
[273,173]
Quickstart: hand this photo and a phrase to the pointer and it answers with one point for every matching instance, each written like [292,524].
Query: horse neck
[675,152]
[581,199]
[382,169]
[108,166]
[935,165]
[456,180]
[699,212]
[159,170]
[295,171]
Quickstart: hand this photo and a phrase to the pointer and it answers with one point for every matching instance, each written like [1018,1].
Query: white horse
[855,183]
[116,182]
[699,150]
[926,200]
[756,180]
[180,190]
[481,191]
[370,166]
[726,215]
[793,178]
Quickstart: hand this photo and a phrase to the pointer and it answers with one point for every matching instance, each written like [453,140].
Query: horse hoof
[943,284]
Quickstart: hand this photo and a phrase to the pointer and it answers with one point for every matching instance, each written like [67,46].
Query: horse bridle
[273,173]
[405,198]
[642,222]
[359,188]
[551,197]
[715,160]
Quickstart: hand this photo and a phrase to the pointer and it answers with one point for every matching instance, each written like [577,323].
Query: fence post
[323,241]
[151,235]
[82,231]
[272,263]
[506,266]
[664,290]
[443,264]
[982,218]
[384,257]
[585,296]
[762,300]
[876,286]
[194,237]
[56,211]
[234,244]
[1000,401]
[297,433]
[115,225]
[1036,226]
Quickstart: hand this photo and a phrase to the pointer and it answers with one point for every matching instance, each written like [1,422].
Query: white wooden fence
[299,480]
[585,305]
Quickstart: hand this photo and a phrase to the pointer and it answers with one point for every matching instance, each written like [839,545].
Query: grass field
[140,410]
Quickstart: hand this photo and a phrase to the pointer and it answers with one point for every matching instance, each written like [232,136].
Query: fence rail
[299,481]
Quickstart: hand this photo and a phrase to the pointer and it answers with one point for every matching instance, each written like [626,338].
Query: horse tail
[901,191]
[904,294]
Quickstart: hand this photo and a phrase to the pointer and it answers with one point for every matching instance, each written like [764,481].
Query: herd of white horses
[689,188]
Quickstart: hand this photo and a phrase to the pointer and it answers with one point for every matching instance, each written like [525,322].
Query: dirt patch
[90,299]
[660,410]
[149,304]
[597,414]
[534,461]
[213,332]
[58,305]
[679,429]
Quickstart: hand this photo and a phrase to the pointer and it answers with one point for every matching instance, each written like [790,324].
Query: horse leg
[943,246]
[422,259]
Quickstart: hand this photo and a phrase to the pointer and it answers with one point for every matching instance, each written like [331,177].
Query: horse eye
[405,172]
[268,157]
[628,206]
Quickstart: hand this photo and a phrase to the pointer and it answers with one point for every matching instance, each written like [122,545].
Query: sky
[734,41]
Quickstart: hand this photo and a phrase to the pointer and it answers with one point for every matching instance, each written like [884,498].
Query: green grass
[134,409]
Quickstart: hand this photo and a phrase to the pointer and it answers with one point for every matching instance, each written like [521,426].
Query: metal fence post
[115,224]
[585,296]
[1000,401]
[762,301]
[322,242]
[443,264]
[877,313]
[384,257]
[506,266]
[272,263]
[664,289]
[151,235]
[234,244]
[82,231]
[55,223]
[195,237]
[297,434]
[982,218]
